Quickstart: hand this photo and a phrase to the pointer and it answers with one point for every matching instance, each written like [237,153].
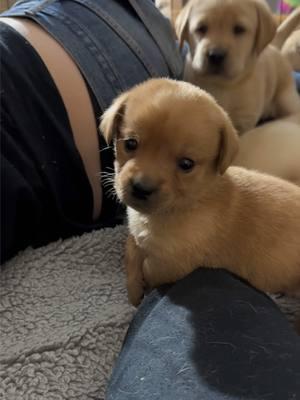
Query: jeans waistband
[138,42]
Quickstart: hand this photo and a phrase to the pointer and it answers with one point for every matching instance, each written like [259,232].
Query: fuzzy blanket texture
[63,317]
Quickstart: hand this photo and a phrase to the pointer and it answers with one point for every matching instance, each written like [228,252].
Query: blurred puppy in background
[231,58]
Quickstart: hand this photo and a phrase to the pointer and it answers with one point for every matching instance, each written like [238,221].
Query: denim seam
[102,59]
[41,6]
[122,33]
[171,65]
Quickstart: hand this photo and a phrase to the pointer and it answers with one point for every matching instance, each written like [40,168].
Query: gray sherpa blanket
[63,317]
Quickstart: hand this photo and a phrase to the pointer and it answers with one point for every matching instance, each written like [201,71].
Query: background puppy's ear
[112,117]
[181,24]
[266,27]
[228,145]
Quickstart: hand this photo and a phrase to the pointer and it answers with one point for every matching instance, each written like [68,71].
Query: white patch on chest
[138,226]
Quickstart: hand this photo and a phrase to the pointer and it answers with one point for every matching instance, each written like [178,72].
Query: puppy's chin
[220,73]
[203,69]
[145,206]
[159,203]
[142,206]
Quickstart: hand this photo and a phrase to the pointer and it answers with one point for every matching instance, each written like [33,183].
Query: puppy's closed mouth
[216,70]
[139,194]
[142,204]
[221,71]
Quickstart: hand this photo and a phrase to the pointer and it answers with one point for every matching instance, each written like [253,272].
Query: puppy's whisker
[106,148]
[107,185]
[107,179]
[107,182]
[111,193]
[111,177]
[103,173]
[107,174]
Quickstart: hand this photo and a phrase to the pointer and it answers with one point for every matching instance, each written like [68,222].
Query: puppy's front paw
[135,291]
[133,264]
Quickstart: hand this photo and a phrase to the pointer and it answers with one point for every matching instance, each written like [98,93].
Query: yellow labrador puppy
[186,208]
[231,58]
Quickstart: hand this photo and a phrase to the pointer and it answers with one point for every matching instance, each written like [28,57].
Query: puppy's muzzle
[216,58]
[142,189]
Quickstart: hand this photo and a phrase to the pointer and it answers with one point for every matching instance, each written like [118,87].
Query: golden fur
[273,148]
[255,81]
[287,39]
[211,215]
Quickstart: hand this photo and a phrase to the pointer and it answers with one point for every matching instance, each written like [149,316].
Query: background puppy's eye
[238,30]
[130,144]
[186,164]
[202,29]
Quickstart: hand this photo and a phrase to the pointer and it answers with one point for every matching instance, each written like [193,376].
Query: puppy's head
[171,141]
[225,36]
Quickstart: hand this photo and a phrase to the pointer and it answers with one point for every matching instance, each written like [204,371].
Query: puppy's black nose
[216,57]
[141,190]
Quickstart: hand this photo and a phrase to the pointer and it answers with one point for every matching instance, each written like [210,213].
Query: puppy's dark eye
[202,29]
[238,30]
[130,144]
[186,164]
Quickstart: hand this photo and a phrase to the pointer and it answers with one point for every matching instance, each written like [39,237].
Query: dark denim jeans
[116,44]
[45,192]
[209,336]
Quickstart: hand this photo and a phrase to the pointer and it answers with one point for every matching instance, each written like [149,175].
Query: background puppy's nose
[216,57]
[141,189]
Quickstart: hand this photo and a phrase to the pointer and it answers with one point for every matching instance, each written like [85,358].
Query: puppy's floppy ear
[181,24]
[228,145]
[266,27]
[112,117]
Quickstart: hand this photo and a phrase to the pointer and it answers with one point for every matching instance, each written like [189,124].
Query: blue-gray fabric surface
[210,337]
